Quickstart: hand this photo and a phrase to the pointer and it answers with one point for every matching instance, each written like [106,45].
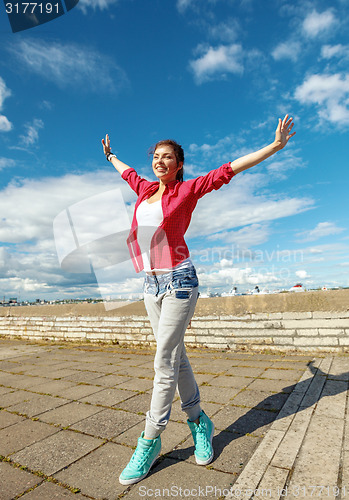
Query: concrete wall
[331,300]
[282,331]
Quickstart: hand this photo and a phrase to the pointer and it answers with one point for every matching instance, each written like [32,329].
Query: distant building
[298,287]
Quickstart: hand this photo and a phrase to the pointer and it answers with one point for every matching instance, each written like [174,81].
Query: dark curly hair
[178,151]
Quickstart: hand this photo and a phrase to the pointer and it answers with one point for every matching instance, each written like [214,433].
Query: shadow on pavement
[268,410]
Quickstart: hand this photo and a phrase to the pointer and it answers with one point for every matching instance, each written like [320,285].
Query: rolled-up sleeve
[214,179]
[135,182]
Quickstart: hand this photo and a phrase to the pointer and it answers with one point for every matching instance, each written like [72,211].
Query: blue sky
[214,75]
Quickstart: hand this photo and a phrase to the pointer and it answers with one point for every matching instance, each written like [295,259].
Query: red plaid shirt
[179,199]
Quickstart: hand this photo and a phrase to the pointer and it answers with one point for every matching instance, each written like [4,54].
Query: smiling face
[165,165]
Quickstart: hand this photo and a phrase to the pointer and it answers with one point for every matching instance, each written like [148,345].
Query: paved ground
[71,415]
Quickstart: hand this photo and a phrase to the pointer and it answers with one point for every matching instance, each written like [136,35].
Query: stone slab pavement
[70,416]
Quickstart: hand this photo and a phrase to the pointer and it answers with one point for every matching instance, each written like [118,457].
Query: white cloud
[182,5]
[322,230]
[316,23]
[37,203]
[268,265]
[329,51]
[69,64]
[224,278]
[239,205]
[287,50]
[226,147]
[28,258]
[250,235]
[4,92]
[95,4]
[47,105]
[5,124]
[302,274]
[216,62]
[233,146]
[326,249]
[330,93]
[17,285]
[6,163]
[315,250]
[32,132]
[282,165]
[226,31]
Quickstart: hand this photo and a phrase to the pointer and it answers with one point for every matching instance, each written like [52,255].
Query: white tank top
[149,214]
[149,217]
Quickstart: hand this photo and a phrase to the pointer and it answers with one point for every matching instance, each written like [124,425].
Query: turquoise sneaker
[202,435]
[146,453]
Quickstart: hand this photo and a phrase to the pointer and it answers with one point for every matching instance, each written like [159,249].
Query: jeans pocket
[189,282]
[184,279]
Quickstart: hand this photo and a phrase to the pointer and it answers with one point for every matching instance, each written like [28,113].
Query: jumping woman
[156,243]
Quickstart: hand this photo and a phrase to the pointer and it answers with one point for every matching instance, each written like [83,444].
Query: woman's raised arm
[119,165]
[282,136]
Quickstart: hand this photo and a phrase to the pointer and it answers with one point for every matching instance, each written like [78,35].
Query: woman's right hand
[106,145]
[119,165]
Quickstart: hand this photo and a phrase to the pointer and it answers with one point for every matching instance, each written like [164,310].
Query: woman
[156,242]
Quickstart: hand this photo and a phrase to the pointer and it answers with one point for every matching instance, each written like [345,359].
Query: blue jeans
[177,279]
[170,300]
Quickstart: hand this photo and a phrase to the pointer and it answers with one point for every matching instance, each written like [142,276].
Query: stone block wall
[281,331]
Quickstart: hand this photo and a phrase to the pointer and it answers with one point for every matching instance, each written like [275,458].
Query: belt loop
[157,286]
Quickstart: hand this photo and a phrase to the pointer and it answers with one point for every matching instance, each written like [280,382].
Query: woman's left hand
[106,145]
[283,131]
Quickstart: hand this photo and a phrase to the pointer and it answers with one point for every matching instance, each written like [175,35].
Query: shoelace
[139,457]
[201,436]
